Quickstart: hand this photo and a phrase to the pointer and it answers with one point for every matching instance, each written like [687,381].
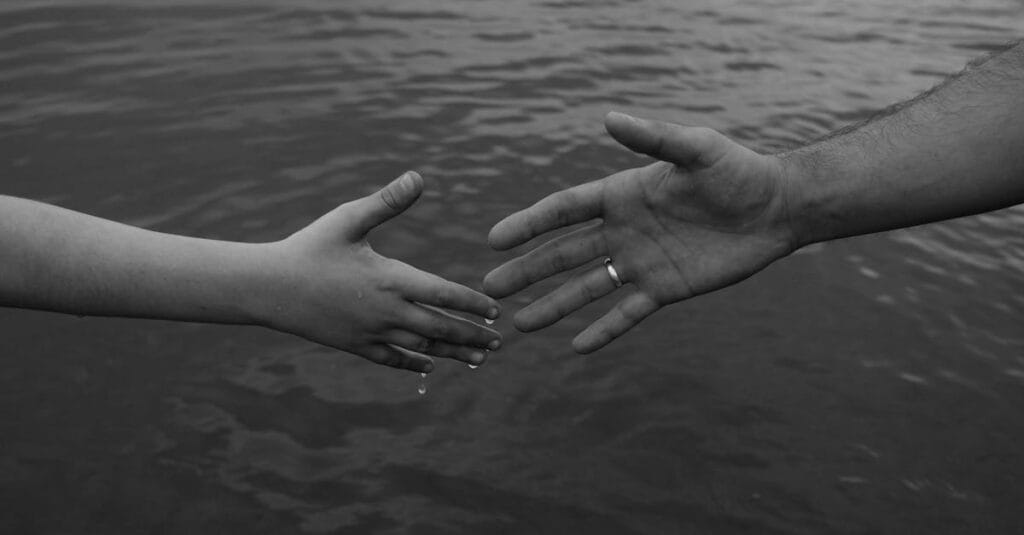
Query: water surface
[873,385]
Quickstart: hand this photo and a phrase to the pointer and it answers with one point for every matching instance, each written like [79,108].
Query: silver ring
[612,273]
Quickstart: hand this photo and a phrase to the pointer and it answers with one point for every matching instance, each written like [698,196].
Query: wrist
[804,197]
[263,281]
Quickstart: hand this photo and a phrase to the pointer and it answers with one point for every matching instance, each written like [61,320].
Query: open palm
[708,214]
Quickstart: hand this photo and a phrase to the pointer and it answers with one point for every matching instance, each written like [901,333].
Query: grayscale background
[873,385]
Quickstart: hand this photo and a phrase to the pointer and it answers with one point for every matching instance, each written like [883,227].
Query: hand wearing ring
[709,214]
[614,275]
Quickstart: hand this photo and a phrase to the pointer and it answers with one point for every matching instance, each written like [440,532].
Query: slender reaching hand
[323,283]
[708,214]
[343,294]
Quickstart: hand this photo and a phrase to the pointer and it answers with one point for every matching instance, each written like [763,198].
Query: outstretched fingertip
[490,286]
[525,322]
[631,132]
[410,185]
[615,120]
[494,311]
[499,238]
[399,195]
[415,179]
[582,345]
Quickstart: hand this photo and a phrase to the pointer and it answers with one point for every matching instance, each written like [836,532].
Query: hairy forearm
[955,151]
[64,261]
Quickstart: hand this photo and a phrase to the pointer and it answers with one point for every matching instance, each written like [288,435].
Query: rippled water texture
[871,385]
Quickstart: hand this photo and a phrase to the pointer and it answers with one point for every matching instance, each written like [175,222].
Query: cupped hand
[708,214]
[334,289]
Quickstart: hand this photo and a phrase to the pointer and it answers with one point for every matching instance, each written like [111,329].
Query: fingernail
[495,344]
[428,367]
[405,181]
[492,313]
[477,357]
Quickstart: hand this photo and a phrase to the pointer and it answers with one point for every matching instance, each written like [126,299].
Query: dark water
[874,385]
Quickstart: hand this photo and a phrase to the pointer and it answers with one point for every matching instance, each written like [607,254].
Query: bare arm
[710,212]
[60,260]
[324,283]
[956,150]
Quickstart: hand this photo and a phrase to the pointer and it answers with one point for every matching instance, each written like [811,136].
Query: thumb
[685,146]
[390,201]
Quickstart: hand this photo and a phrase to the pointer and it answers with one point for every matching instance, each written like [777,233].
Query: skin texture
[323,283]
[709,212]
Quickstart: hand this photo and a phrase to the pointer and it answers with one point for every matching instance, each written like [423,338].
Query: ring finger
[584,287]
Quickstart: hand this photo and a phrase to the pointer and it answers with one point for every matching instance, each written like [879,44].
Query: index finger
[566,207]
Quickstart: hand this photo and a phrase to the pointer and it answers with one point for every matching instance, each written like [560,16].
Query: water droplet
[423,384]
[473,366]
[489,321]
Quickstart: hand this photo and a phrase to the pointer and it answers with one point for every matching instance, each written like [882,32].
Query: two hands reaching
[707,214]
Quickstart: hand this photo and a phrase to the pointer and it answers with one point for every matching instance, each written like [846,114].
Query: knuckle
[563,308]
[530,271]
[480,335]
[558,262]
[444,296]
[394,360]
[561,217]
[377,355]
[588,292]
[630,313]
[442,350]
[441,329]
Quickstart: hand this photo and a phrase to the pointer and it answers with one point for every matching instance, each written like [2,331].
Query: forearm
[956,151]
[60,260]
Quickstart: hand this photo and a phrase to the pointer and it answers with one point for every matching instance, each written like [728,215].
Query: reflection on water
[868,385]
